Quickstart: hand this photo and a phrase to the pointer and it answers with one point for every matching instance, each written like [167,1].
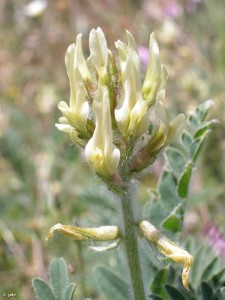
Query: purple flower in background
[172,9]
[143,53]
[215,239]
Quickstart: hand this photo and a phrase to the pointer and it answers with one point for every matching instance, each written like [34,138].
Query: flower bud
[131,111]
[164,133]
[99,54]
[69,62]
[98,48]
[100,152]
[80,62]
[77,112]
[153,76]
[146,155]
[127,50]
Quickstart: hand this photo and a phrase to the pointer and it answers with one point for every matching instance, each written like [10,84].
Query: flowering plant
[123,125]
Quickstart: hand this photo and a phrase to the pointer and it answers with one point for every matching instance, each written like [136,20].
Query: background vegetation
[44,179]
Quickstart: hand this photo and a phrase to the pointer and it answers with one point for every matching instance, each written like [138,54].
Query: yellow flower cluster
[109,106]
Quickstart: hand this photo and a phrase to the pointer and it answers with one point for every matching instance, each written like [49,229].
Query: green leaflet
[59,278]
[174,220]
[174,293]
[211,268]
[42,289]
[158,284]
[207,273]
[93,196]
[167,191]
[167,207]
[70,291]
[111,285]
[175,160]
[60,288]
[197,270]
[154,297]
[207,292]
[204,128]
[222,291]
[186,139]
[184,180]
[196,147]
[203,109]
[193,121]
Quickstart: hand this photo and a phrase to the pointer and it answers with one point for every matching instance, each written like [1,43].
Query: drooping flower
[169,249]
[102,233]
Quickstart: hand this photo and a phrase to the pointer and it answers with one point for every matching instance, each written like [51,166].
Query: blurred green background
[44,178]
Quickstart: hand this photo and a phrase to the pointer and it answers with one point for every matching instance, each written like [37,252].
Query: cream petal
[98,48]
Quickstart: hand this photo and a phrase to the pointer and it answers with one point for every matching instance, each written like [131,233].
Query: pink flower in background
[143,53]
[215,239]
[172,9]
[163,8]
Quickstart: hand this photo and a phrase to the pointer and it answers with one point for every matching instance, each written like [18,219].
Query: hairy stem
[131,247]
[81,269]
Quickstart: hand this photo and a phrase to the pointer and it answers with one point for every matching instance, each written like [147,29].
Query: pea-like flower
[170,127]
[165,130]
[152,80]
[102,233]
[131,111]
[98,49]
[77,112]
[100,152]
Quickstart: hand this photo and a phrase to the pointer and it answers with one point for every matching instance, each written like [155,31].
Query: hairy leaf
[158,284]
[59,278]
[70,291]
[175,160]
[184,181]
[174,293]
[186,140]
[112,285]
[42,290]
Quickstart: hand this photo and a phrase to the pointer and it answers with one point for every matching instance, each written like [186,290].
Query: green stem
[81,269]
[131,247]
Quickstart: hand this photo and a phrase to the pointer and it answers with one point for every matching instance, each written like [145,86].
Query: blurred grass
[44,179]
